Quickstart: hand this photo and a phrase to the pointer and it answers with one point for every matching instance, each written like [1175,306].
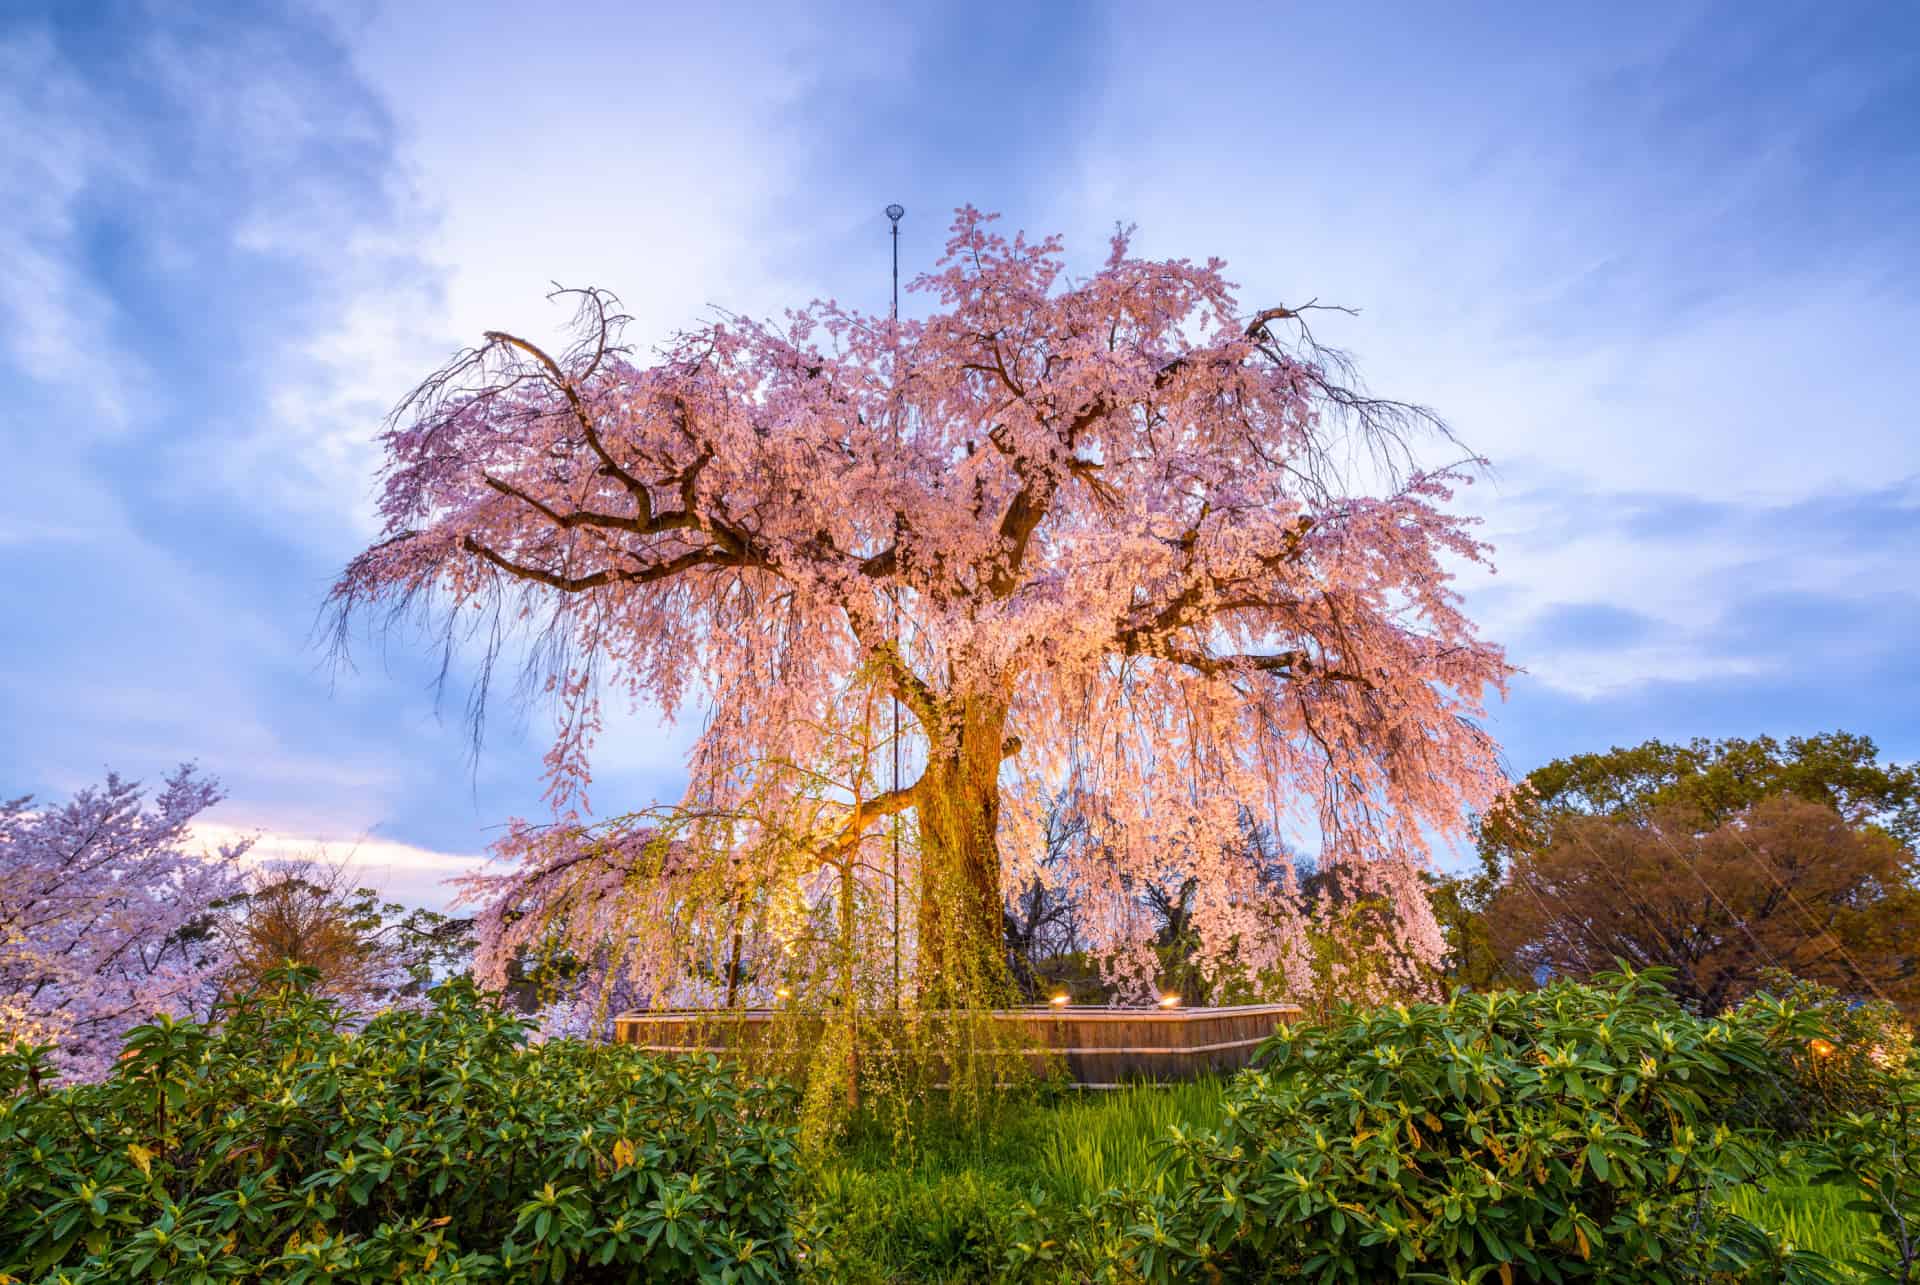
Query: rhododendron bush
[106,916]
[1114,544]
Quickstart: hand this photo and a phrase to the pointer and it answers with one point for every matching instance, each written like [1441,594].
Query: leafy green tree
[1715,780]
[1472,960]
[1717,859]
[1784,884]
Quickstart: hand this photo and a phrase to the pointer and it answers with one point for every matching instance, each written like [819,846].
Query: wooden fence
[1099,1047]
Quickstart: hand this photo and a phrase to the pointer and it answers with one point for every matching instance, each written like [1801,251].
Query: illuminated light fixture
[1820,1047]
[781,992]
[1061,1000]
[1170,1000]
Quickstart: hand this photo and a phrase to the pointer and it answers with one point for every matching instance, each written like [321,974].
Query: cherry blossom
[1115,544]
[106,914]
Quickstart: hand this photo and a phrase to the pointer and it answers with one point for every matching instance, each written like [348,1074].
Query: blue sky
[1658,262]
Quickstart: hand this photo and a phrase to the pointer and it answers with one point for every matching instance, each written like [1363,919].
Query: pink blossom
[1113,544]
[105,916]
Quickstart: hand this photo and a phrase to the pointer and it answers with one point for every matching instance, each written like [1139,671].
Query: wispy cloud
[405,873]
[53,319]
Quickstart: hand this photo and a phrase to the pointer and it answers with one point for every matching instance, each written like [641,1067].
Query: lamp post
[894,214]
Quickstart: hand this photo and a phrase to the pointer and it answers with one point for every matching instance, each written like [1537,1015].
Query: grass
[1812,1217]
[1070,1149]
[1112,1139]
[940,1204]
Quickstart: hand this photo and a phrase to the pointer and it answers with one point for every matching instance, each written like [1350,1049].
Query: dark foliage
[433,1145]
[1580,1132]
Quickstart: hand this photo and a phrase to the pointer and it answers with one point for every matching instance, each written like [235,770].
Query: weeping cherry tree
[1115,544]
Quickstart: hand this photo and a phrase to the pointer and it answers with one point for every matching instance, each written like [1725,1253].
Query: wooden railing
[1099,1047]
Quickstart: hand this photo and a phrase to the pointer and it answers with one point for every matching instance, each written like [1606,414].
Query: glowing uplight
[1820,1047]
[781,992]
[1061,1000]
[1170,1000]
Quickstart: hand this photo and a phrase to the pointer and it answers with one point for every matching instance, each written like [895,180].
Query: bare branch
[635,487]
[606,576]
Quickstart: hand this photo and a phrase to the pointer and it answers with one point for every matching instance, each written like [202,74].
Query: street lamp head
[894,212]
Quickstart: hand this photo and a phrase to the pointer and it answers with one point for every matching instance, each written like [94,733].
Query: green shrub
[1853,1063]
[1877,1153]
[435,1145]
[1581,1132]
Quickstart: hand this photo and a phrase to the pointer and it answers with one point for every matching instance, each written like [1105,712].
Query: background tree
[1114,539]
[1715,780]
[1460,905]
[366,952]
[1783,883]
[106,915]
[1697,787]
[1042,918]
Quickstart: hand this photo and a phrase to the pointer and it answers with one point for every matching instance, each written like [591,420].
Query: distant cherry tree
[1114,544]
[106,915]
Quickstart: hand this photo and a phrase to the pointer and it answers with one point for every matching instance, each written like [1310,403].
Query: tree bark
[961,958]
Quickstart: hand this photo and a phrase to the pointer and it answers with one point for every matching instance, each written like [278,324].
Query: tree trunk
[961,958]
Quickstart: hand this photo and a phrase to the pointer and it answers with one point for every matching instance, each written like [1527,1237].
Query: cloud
[1678,589]
[1645,265]
[1596,244]
[403,872]
[1865,688]
[1590,625]
[202,199]
[52,317]
[630,149]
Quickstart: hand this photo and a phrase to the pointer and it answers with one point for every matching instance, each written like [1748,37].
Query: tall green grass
[1113,1139]
[1071,1149]
[1813,1217]
[942,1199]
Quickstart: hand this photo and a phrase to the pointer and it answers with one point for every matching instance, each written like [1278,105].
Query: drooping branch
[650,525]
[606,576]
[1040,480]
[1297,664]
[912,690]
[865,811]
[642,499]
[1203,593]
